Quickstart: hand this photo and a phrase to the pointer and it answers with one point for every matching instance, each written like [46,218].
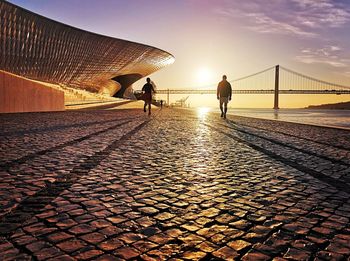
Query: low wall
[18,94]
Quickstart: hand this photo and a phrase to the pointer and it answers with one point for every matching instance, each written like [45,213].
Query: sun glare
[203,111]
[203,76]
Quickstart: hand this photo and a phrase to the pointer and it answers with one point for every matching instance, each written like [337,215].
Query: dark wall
[125,81]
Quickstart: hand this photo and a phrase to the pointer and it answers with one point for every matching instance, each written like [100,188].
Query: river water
[334,118]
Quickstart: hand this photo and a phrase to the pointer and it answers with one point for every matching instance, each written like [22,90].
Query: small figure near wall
[148,91]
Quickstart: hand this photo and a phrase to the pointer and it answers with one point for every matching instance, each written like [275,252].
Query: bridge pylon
[277,83]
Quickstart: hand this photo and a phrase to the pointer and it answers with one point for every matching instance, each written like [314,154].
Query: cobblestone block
[118,185]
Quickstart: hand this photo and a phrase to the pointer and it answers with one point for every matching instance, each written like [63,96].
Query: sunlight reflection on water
[203,112]
[339,118]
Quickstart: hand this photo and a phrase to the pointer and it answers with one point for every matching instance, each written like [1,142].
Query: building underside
[38,48]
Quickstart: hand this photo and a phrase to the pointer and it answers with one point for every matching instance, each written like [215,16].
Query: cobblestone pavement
[180,185]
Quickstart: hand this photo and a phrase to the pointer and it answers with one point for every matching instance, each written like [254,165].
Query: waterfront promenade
[179,185]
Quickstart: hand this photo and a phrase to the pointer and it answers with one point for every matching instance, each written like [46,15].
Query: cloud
[320,13]
[265,24]
[304,18]
[331,55]
[335,48]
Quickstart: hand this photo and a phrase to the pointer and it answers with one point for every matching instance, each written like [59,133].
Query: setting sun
[204,76]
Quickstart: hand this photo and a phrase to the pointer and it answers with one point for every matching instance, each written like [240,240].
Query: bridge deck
[194,91]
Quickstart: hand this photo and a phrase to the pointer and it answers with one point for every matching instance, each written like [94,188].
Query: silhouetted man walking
[148,90]
[224,95]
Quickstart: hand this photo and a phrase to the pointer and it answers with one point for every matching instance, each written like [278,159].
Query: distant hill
[333,106]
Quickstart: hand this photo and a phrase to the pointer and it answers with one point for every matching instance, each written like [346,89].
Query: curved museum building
[39,54]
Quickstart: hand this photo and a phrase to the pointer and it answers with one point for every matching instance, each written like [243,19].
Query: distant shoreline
[333,106]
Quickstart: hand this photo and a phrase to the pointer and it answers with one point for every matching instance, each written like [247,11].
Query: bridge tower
[277,76]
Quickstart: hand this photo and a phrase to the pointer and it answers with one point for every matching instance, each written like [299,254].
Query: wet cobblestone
[118,185]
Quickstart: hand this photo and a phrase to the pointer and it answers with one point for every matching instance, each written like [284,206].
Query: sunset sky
[213,37]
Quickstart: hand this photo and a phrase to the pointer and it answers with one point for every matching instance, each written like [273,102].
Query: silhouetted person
[224,95]
[148,90]
[161,104]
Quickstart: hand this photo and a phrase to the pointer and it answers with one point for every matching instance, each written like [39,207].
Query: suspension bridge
[274,80]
